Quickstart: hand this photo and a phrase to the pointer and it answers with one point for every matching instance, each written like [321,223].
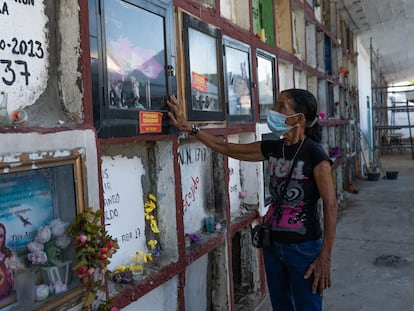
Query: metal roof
[389,25]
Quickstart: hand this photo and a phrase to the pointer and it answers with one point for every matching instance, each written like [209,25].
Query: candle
[262,35]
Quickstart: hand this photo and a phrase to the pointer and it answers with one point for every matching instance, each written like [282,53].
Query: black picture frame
[238,83]
[264,87]
[204,90]
[120,118]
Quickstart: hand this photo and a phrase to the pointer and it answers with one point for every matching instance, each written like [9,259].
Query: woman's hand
[321,269]
[178,118]
[245,152]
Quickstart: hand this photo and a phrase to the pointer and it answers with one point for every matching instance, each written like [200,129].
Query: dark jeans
[285,265]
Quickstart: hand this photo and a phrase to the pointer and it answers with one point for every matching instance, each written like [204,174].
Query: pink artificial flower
[81,239]
[110,245]
[82,272]
[91,271]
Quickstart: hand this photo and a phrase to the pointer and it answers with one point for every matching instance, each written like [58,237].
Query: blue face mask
[277,123]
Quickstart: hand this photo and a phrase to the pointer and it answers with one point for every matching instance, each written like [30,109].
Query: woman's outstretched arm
[245,152]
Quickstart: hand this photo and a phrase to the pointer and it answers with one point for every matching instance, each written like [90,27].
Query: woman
[6,265]
[298,263]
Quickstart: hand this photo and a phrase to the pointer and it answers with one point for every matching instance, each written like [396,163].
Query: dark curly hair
[306,103]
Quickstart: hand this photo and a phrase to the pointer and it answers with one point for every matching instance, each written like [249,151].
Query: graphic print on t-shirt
[289,215]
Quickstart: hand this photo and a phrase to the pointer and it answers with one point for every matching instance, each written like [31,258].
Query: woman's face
[285,105]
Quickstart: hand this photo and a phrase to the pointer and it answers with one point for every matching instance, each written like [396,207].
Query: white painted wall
[25,48]
[243,183]
[121,178]
[364,87]
[195,290]
[285,77]
[162,298]
[234,182]
[196,175]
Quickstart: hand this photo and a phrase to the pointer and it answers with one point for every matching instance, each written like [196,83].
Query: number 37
[8,73]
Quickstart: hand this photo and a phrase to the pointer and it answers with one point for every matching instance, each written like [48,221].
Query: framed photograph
[204,93]
[133,63]
[237,65]
[266,80]
[39,199]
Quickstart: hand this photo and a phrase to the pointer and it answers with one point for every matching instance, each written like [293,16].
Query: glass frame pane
[204,91]
[266,82]
[237,64]
[135,74]
[134,64]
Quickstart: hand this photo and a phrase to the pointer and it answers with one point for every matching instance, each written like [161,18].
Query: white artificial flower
[63,241]
[43,234]
[58,227]
[37,258]
[35,246]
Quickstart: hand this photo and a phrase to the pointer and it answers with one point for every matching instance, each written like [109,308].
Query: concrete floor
[373,260]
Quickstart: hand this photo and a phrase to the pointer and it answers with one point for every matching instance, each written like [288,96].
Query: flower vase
[57,277]
[25,288]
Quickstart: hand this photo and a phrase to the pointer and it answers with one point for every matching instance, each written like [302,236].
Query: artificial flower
[43,234]
[58,227]
[63,241]
[152,243]
[37,258]
[152,197]
[91,271]
[35,246]
[41,292]
[154,227]
[193,237]
[81,239]
[94,247]
[149,206]
[121,268]
[48,243]
[148,257]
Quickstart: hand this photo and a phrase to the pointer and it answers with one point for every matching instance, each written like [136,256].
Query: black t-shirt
[296,218]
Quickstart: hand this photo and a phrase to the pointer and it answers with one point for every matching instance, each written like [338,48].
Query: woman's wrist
[194,130]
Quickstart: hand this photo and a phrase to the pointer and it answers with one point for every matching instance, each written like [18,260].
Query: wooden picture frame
[35,189]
